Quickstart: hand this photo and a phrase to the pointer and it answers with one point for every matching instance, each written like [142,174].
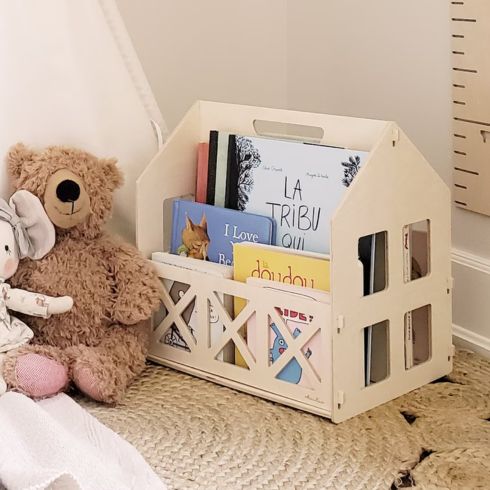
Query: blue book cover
[207,232]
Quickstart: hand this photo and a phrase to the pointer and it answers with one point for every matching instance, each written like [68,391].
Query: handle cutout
[288,130]
[485,135]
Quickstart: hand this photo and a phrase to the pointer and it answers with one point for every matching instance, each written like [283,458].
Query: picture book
[212,156]
[372,255]
[421,317]
[295,322]
[221,169]
[202,172]
[286,266]
[407,276]
[207,232]
[416,248]
[297,184]
[176,291]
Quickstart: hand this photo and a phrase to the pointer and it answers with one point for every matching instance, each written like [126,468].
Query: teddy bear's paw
[98,383]
[39,376]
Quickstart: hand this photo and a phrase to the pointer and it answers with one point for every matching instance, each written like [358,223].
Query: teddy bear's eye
[7,249]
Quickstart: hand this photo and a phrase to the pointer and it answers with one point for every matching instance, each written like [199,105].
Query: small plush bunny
[25,231]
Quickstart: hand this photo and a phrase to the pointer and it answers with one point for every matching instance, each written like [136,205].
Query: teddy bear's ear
[112,174]
[17,157]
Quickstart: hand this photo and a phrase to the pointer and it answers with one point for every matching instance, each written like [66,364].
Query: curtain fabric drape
[69,75]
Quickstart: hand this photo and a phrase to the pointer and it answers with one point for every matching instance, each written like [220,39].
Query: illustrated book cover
[176,291]
[297,184]
[295,322]
[286,266]
[205,232]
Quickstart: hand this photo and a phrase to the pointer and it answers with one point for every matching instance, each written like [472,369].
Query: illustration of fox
[195,239]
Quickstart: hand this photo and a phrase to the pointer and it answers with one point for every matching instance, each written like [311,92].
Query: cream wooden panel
[470,22]
[396,187]
[260,378]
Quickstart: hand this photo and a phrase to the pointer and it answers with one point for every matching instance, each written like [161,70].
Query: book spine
[212,160]
[407,274]
[221,169]
[174,241]
[202,172]
[231,195]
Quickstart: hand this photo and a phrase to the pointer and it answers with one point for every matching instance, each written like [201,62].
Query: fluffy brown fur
[102,341]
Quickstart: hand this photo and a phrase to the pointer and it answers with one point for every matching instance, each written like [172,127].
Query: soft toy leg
[104,372]
[37,371]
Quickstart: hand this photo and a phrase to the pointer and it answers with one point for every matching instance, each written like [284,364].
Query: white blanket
[56,444]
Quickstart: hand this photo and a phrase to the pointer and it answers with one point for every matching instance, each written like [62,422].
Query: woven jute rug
[196,434]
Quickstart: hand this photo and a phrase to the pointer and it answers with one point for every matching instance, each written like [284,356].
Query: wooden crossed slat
[174,311]
[294,349]
[231,329]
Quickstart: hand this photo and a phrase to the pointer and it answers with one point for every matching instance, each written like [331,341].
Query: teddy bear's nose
[68,191]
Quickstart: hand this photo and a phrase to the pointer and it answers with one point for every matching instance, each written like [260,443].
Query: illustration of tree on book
[195,239]
[350,169]
[293,371]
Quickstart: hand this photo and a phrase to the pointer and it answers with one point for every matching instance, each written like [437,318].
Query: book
[298,184]
[379,359]
[407,277]
[177,289]
[287,266]
[221,169]
[419,247]
[202,172]
[212,157]
[372,254]
[208,232]
[367,252]
[295,322]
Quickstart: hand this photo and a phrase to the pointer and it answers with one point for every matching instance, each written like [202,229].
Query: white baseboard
[475,262]
[471,306]
[462,337]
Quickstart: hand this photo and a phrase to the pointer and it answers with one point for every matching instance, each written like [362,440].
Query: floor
[199,435]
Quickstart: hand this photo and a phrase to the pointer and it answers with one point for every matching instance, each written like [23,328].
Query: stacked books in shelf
[262,209]
[262,212]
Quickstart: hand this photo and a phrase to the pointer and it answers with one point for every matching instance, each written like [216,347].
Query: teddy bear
[101,344]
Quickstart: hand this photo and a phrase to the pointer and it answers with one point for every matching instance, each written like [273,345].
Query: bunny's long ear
[39,228]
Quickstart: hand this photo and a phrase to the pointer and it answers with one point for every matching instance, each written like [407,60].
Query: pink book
[202,172]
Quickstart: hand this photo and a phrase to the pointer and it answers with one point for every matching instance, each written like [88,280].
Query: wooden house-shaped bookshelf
[395,194]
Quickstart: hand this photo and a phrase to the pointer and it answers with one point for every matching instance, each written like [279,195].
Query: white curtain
[69,75]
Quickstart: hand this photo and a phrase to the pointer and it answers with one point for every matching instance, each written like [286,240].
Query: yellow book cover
[285,265]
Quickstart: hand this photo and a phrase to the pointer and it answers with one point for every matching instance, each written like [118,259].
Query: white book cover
[177,289]
[298,184]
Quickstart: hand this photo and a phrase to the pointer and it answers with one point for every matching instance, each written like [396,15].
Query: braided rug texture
[196,434]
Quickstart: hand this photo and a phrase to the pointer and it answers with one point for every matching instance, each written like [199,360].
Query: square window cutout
[372,253]
[376,353]
[416,250]
[418,336]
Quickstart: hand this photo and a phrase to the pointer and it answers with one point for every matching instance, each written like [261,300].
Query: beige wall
[230,51]
[385,59]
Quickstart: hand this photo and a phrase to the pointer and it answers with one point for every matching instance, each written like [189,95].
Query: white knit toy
[25,231]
